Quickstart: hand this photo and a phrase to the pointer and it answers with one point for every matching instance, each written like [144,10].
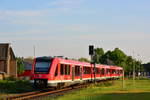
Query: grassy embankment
[112,91]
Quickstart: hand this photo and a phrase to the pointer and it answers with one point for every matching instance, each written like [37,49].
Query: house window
[2,53]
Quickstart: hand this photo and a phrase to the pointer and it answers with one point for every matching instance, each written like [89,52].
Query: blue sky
[67,27]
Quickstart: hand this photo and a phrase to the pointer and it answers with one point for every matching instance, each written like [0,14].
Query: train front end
[41,71]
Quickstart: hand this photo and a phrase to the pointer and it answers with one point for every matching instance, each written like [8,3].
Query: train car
[27,70]
[60,72]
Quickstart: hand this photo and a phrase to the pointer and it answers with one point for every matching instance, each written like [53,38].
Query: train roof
[44,58]
[70,61]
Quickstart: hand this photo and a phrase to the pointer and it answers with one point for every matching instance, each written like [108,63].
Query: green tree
[129,64]
[99,52]
[20,65]
[118,57]
[138,66]
[106,58]
[83,59]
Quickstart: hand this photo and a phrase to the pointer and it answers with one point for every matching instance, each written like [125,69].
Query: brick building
[7,60]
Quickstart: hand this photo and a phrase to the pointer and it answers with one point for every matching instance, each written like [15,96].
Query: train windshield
[42,65]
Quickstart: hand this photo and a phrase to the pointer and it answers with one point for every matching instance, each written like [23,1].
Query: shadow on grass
[125,96]
[109,96]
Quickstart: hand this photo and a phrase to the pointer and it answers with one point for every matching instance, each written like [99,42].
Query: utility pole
[34,50]
[123,85]
[133,71]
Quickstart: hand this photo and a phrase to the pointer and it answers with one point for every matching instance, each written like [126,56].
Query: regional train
[61,72]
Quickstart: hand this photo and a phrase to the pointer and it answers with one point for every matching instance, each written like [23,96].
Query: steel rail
[40,93]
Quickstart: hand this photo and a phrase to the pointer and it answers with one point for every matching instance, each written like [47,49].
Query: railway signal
[92,53]
[91,49]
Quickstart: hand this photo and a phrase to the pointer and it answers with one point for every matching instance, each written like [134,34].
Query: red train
[59,72]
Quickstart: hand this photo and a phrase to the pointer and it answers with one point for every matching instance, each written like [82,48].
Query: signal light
[91,49]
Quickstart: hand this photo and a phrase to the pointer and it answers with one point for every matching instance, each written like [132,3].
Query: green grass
[112,91]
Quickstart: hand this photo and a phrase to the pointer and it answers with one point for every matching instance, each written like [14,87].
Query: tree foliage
[83,59]
[119,58]
[99,53]
[20,65]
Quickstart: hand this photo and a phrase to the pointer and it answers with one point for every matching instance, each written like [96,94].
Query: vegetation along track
[42,93]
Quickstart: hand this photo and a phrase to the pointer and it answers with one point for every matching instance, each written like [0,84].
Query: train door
[105,72]
[57,70]
[73,73]
[62,72]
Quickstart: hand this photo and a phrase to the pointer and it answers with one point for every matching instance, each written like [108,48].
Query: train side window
[67,69]
[87,70]
[121,71]
[113,71]
[108,71]
[97,71]
[77,70]
[84,70]
[62,69]
[103,71]
[56,72]
[117,71]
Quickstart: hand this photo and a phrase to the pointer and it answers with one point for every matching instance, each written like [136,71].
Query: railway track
[38,95]
[42,93]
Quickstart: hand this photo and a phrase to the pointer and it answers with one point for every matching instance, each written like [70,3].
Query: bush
[18,86]
[11,78]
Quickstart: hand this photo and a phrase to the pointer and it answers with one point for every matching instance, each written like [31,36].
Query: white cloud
[23,32]
[33,13]
[81,28]
[66,2]
[62,7]
[29,21]
[22,13]
[31,17]
[50,35]
[126,41]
